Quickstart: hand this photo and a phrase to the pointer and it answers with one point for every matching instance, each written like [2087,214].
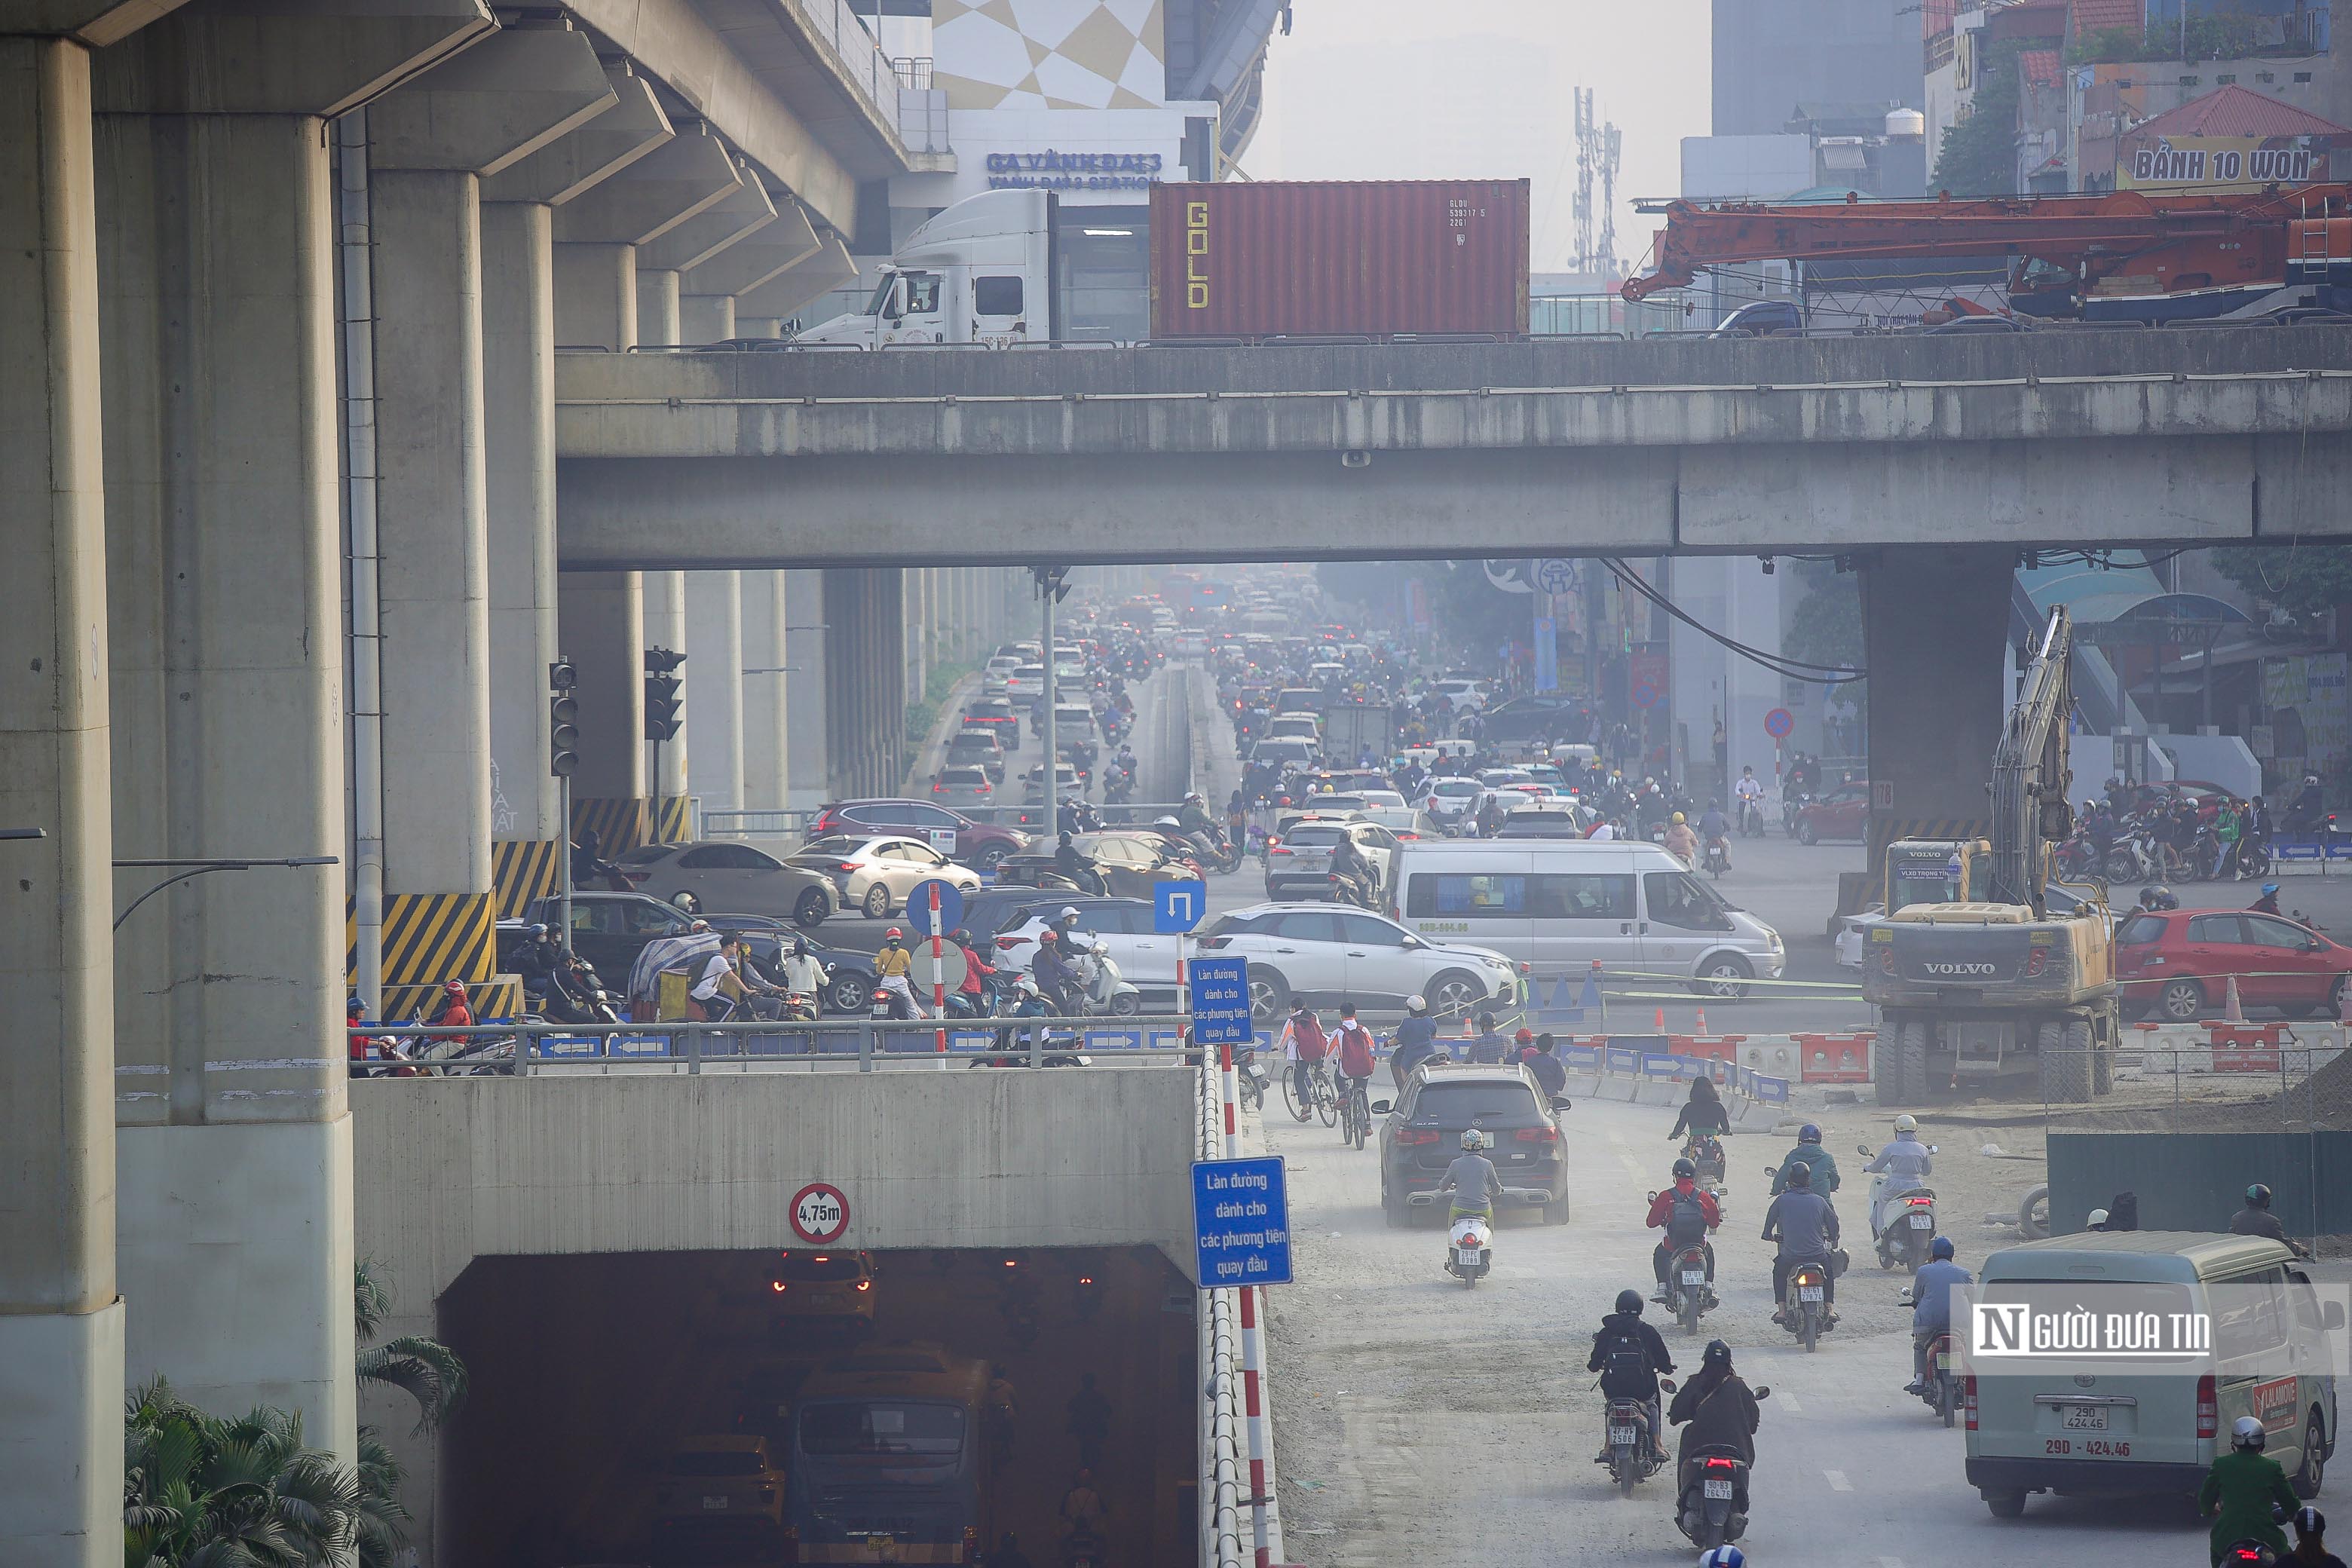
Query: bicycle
[1356,1113]
[1319,1094]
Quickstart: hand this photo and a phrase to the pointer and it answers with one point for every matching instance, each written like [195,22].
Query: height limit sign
[1241,1223]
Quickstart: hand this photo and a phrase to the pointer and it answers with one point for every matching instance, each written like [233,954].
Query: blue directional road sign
[919,907]
[1178,906]
[1221,1002]
[1241,1223]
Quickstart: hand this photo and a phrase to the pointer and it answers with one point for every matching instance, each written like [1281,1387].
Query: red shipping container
[1372,258]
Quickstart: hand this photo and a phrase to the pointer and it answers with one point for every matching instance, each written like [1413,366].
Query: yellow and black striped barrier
[619,824]
[523,869]
[428,939]
[677,820]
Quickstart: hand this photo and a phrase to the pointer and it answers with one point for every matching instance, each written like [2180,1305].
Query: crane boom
[2239,232]
[2030,807]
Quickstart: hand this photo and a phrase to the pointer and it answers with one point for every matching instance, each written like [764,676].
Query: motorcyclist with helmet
[1416,1039]
[1931,1306]
[1723,1557]
[1193,816]
[1687,1213]
[2256,1219]
[1051,968]
[2268,903]
[2158,899]
[1472,1180]
[1628,1356]
[1715,1409]
[1806,1226]
[1681,842]
[2310,1543]
[2244,1493]
[1714,829]
[1904,1163]
[1810,1153]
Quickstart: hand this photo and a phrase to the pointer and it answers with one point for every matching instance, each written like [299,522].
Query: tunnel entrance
[704,1408]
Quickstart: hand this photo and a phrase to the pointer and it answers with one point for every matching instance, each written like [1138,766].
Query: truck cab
[979,272]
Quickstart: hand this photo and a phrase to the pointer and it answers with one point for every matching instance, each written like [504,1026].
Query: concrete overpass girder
[94,24]
[487,108]
[653,195]
[256,56]
[605,145]
[737,215]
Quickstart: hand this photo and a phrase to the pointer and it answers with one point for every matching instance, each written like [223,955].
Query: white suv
[1324,956]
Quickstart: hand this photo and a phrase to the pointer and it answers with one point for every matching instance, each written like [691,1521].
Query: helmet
[960,937]
[1630,1301]
[2258,1197]
[455,987]
[1678,817]
[2311,778]
[1717,1354]
[1800,1175]
[1809,1133]
[1165,821]
[2269,888]
[1416,1003]
[1027,984]
[1907,1123]
[1191,795]
[2095,1219]
[893,934]
[2246,1432]
[1069,913]
[1722,1557]
[1684,1168]
[536,933]
[2310,1522]
[354,1007]
[1474,1139]
[1941,1247]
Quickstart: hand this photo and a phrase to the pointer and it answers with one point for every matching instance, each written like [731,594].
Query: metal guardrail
[835,1045]
[1224,1456]
[861,56]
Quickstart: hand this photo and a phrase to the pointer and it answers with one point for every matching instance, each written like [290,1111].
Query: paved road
[1416,1421]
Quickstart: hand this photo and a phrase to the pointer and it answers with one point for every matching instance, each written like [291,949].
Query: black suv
[1423,1133]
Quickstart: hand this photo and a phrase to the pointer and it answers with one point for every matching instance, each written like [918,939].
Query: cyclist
[1304,1046]
[1353,1043]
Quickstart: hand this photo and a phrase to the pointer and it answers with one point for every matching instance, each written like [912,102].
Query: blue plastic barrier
[1585,1058]
[1772,1090]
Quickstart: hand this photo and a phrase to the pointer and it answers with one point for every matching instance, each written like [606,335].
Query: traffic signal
[562,719]
[665,709]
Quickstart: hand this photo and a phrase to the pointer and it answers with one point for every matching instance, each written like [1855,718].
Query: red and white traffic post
[939,978]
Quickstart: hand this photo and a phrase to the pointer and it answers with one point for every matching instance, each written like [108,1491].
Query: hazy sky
[1416,89]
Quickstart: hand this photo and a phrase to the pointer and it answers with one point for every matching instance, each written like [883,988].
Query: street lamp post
[184,869]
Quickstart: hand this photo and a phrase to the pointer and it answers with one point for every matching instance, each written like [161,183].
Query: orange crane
[2125,244]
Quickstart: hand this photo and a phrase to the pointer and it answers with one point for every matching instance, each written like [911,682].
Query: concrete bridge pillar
[429,142]
[223,564]
[766,648]
[1935,621]
[602,614]
[61,1323]
[809,695]
[714,646]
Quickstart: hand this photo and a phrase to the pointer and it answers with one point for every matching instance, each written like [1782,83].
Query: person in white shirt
[1750,791]
[803,976]
[1603,831]
[712,974]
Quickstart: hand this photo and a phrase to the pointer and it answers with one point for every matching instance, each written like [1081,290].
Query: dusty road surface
[1418,1422]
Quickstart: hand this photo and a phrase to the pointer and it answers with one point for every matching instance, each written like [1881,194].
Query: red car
[2176,965]
[1838,812]
[951,833]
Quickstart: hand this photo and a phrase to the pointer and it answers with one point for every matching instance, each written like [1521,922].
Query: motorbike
[1904,1220]
[2133,857]
[1751,819]
[1792,802]
[1632,1457]
[1718,858]
[1469,1249]
[1250,1078]
[1215,851]
[1711,1496]
[1805,1312]
[1102,989]
[1118,786]
[1081,1548]
[2078,859]
[1706,1152]
[1941,1393]
[1688,1295]
[1086,1297]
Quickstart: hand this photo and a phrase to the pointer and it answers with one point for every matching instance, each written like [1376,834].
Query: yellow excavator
[1978,984]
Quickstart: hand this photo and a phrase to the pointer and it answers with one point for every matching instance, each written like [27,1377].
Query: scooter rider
[1810,1153]
[2268,903]
[1682,843]
[2244,1491]
[1803,1222]
[1714,829]
[1703,1112]
[1904,1163]
[1472,1180]
[1715,1409]
[1750,792]
[2256,1219]
[1193,816]
[1628,1356]
[1688,1213]
[1416,1039]
[1931,1306]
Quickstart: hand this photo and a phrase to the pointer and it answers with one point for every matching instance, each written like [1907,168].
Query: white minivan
[2151,1423]
[1558,905]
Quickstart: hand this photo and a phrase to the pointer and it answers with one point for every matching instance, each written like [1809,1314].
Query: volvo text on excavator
[1977,982]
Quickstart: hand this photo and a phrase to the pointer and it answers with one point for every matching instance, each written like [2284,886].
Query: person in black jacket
[1542,1058]
[1628,1356]
[1715,1409]
[1701,1112]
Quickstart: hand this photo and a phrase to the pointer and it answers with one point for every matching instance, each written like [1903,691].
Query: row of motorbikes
[2136,853]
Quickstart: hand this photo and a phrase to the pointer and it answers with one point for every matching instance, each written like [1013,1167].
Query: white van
[1557,905]
[2153,1424]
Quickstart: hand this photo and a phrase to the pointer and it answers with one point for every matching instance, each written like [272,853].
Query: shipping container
[1376,259]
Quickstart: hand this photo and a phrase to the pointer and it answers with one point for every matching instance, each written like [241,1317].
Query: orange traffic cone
[1701,1030]
[1659,1027]
[2235,1012]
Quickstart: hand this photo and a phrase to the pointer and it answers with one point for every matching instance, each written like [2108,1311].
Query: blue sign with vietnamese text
[1241,1223]
[1221,1002]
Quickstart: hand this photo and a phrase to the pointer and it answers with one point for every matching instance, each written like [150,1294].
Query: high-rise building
[1771,56]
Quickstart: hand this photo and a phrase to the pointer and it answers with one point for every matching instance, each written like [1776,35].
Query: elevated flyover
[1301,451]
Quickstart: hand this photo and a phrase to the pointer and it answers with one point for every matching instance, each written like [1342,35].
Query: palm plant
[209,1491]
[425,1369]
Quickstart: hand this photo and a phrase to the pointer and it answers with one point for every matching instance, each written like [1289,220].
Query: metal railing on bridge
[795,823]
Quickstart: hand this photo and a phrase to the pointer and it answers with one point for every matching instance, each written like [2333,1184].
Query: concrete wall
[1643,447]
[447,1170]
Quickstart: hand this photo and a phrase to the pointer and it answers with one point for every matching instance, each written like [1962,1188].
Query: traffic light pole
[564,859]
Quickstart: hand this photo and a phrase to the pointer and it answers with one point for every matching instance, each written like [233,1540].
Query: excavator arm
[2031,809]
[2091,235]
